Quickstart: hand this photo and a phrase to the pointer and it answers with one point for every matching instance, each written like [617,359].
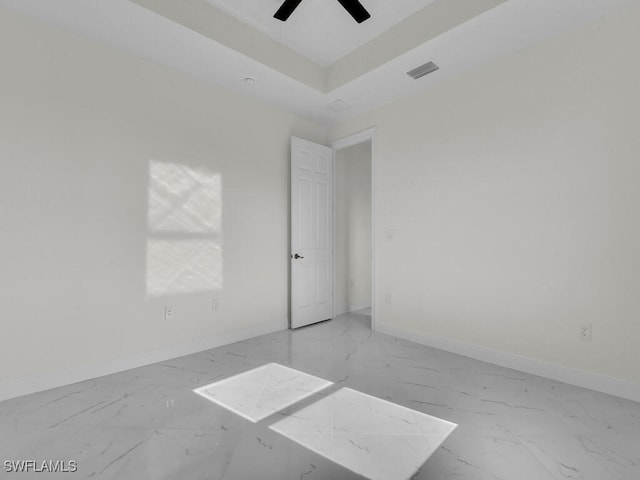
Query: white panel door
[311,232]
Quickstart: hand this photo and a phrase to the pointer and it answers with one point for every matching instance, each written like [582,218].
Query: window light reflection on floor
[369,436]
[263,391]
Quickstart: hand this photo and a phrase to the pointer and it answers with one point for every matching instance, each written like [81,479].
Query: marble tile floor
[148,423]
[375,438]
[263,391]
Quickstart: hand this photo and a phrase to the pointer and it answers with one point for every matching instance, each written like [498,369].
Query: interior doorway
[317,280]
[353,225]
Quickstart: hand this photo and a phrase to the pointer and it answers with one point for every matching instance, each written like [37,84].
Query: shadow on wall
[184,246]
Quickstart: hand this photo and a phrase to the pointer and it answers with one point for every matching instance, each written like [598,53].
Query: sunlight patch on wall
[183,266]
[183,199]
[184,248]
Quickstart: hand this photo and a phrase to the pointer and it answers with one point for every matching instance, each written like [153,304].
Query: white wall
[513,192]
[353,228]
[125,187]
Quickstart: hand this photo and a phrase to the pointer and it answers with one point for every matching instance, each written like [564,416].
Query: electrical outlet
[388,298]
[168,312]
[214,304]
[390,233]
[585,332]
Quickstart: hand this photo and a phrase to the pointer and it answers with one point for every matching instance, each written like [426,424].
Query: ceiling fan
[354,7]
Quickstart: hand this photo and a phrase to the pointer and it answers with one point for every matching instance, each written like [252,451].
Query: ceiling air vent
[423,70]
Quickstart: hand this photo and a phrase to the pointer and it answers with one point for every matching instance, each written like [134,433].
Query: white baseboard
[25,386]
[361,306]
[593,381]
[350,309]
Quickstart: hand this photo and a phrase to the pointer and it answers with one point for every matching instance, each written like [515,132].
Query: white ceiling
[321,30]
[123,24]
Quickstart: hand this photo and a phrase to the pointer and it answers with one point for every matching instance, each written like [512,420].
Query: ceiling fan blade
[355,8]
[286,9]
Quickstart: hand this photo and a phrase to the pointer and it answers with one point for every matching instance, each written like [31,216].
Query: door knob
[296,256]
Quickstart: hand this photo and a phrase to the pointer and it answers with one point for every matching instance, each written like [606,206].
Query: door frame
[362,136]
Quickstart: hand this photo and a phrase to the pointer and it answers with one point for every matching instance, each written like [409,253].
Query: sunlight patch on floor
[263,391]
[369,436]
